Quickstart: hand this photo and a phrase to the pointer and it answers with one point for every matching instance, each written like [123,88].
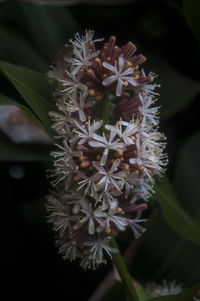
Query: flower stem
[126,279]
[105,108]
[118,259]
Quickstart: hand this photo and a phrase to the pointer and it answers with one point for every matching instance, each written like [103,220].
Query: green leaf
[176,91]
[52,28]
[35,90]
[18,152]
[186,177]
[192,12]
[19,51]
[184,296]
[174,215]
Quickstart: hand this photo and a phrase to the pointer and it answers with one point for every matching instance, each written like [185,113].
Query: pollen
[108,230]
[128,64]
[120,210]
[97,60]
[91,92]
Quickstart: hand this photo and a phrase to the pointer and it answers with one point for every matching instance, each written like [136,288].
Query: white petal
[81,115]
[119,87]
[85,205]
[104,157]
[127,71]
[109,66]
[115,165]
[96,125]
[120,63]
[131,80]
[96,144]
[91,226]
[99,213]
[109,80]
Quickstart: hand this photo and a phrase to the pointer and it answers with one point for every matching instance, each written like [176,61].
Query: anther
[97,60]
[91,92]
[108,230]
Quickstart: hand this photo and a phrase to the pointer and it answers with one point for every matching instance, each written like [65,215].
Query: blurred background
[32,34]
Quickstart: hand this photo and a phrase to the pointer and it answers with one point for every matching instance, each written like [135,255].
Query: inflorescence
[110,149]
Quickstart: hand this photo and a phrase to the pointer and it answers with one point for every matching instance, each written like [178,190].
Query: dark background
[31,36]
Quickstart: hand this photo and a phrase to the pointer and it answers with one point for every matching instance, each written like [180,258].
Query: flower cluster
[110,150]
[164,289]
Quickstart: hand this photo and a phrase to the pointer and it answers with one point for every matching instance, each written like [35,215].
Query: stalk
[127,282]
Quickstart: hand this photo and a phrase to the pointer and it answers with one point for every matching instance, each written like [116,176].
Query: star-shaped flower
[120,75]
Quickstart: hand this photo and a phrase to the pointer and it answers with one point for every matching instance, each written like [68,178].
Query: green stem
[105,108]
[118,259]
[126,279]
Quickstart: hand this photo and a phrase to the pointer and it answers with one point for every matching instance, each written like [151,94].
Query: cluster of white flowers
[103,173]
[164,289]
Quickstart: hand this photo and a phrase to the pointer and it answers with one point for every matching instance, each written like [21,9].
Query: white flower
[77,103]
[120,75]
[71,83]
[60,124]
[108,144]
[65,151]
[110,178]
[64,170]
[149,88]
[147,112]
[164,289]
[126,130]
[59,214]
[113,217]
[90,262]
[143,189]
[82,52]
[80,41]
[69,250]
[146,157]
[135,226]
[90,216]
[82,58]
[86,132]
[98,247]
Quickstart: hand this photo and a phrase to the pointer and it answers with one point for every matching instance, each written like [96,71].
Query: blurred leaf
[164,255]
[115,293]
[14,152]
[72,2]
[174,215]
[177,90]
[48,26]
[34,88]
[186,176]
[184,296]
[192,11]
[5,101]
[18,50]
